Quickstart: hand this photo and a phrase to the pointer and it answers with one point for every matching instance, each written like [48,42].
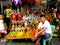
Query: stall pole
[2,6]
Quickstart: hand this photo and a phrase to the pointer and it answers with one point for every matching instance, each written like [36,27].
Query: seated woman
[45,31]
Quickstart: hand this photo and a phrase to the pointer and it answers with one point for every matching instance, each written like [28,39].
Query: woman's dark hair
[42,15]
[8,6]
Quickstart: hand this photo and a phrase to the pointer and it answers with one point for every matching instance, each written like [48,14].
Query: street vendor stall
[17,31]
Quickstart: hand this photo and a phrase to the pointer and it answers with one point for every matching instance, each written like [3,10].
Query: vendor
[45,31]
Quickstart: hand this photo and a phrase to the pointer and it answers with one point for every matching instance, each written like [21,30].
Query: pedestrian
[2,28]
[7,13]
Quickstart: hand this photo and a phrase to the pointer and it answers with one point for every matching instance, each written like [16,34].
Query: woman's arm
[41,30]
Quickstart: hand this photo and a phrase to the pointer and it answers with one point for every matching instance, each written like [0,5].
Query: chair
[44,41]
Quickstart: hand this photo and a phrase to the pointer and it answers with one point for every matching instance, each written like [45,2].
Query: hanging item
[11,0]
[37,1]
[20,1]
[58,16]
[17,2]
[28,1]
[44,1]
[27,11]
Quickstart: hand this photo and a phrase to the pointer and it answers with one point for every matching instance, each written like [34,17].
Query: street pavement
[29,42]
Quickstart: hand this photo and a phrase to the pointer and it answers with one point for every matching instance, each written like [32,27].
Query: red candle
[20,17]
[34,32]
[14,17]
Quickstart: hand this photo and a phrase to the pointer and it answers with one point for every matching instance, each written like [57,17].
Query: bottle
[16,27]
[12,27]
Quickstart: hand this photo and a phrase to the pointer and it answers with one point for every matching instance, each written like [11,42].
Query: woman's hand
[36,35]
[40,34]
